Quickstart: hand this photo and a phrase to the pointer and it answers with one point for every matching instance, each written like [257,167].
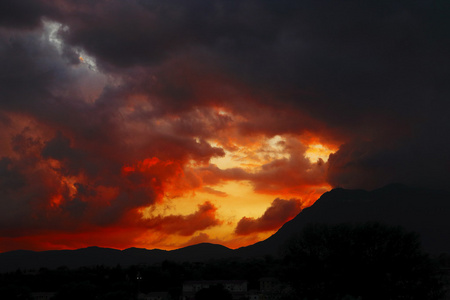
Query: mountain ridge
[394,204]
[421,210]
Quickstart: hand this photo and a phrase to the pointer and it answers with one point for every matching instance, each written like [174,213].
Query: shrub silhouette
[371,261]
[216,292]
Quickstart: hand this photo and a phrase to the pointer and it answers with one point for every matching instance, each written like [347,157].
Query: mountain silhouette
[91,256]
[423,211]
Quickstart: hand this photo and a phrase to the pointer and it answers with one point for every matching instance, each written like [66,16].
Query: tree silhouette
[371,261]
[77,290]
[216,292]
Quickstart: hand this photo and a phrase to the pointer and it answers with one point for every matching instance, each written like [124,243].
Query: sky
[162,124]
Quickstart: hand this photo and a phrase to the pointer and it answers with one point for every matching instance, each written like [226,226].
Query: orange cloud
[114,237]
[291,175]
[203,218]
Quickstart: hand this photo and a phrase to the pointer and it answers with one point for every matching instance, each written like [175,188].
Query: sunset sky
[166,123]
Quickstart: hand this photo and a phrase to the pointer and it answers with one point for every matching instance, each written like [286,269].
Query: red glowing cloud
[279,212]
[203,218]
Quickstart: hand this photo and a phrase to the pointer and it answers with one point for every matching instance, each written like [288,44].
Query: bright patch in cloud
[318,151]
[251,156]
[52,32]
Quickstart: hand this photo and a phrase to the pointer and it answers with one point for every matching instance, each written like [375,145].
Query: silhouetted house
[446,274]
[237,288]
[253,295]
[154,296]
[268,284]
[271,288]
[42,295]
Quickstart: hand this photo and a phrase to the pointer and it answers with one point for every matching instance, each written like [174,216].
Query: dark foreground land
[343,261]
[351,244]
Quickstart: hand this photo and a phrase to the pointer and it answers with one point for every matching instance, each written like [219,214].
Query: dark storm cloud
[419,158]
[145,32]
[24,14]
[59,148]
[10,179]
[352,58]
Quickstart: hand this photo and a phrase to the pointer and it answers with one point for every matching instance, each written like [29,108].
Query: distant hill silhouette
[91,256]
[424,211]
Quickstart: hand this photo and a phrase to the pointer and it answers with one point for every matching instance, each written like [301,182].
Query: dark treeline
[346,261]
[367,261]
[100,282]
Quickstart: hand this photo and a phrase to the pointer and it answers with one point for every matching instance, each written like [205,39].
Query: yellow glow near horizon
[234,199]
[318,151]
[240,201]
